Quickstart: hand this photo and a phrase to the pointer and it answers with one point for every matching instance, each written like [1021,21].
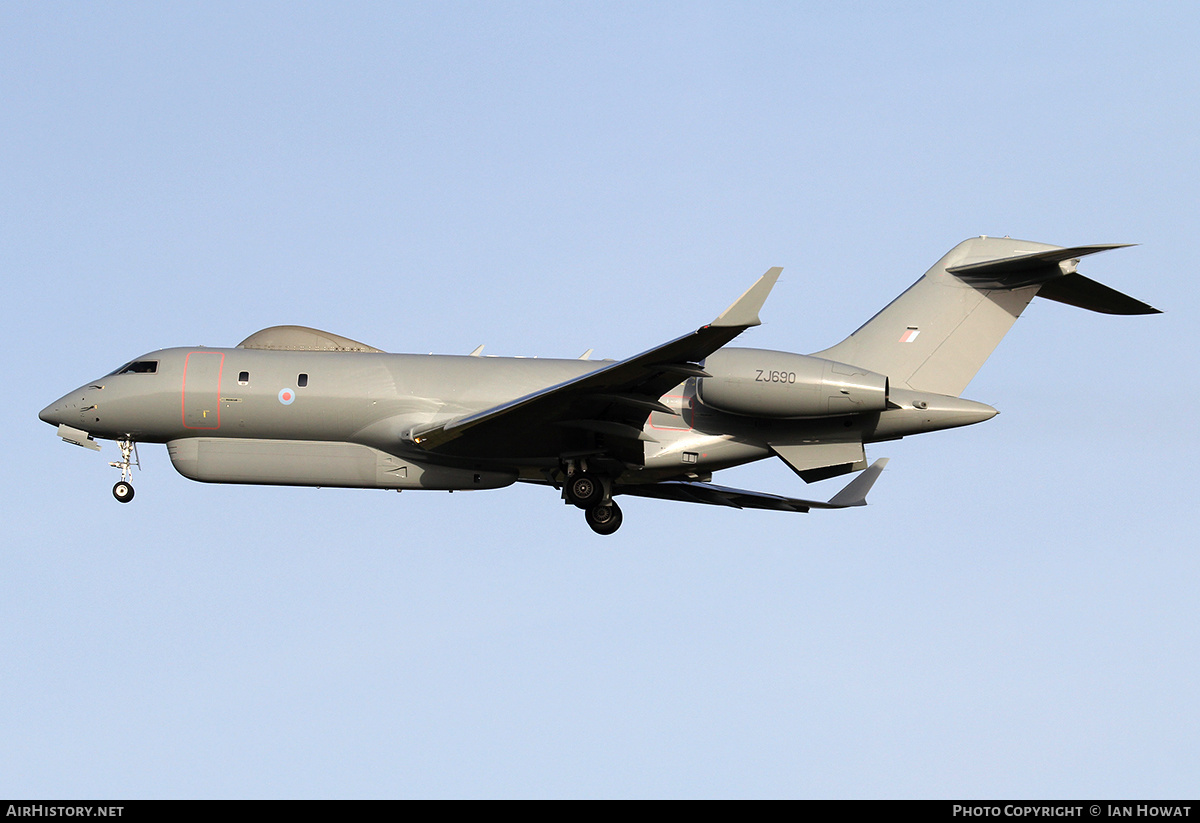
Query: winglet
[855,493]
[744,311]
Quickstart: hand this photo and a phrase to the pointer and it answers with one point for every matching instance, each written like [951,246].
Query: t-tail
[936,335]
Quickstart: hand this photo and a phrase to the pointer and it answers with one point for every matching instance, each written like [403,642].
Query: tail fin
[936,335]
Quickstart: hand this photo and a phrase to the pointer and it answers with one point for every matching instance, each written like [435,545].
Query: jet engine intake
[763,383]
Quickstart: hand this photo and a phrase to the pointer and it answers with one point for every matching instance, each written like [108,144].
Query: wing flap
[694,492]
[854,493]
[820,461]
[609,427]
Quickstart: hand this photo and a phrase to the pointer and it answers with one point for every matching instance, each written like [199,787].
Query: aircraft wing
[611,401]
[854,494]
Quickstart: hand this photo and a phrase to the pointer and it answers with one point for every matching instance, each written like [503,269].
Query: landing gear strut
[123,490]
[591,492]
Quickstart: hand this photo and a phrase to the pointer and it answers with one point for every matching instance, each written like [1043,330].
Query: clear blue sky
[1014,615]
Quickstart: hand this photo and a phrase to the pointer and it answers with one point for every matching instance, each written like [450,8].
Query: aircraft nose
[52,414]
[62,410]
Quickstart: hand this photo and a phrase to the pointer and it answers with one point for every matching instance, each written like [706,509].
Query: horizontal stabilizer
[1054,271]
[937,334]
[1025,269]
[854,494]
[1084,293]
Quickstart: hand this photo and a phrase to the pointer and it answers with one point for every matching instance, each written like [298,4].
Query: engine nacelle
[762,383]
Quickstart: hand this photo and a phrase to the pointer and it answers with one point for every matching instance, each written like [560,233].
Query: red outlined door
[201,393]
[680,418]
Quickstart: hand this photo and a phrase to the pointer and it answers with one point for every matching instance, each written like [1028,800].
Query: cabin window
[139,367]
[302,380]
[243,378]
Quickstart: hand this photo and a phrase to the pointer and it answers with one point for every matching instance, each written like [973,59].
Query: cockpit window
[139,367]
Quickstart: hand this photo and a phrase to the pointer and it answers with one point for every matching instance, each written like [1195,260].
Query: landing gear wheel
[605,518]
[584,491]
[123,491]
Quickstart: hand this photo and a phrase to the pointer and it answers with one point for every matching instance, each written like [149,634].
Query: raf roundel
[286,396]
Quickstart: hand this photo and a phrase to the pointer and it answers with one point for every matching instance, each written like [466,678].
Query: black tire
[584,491]
[123,491]
[605,518]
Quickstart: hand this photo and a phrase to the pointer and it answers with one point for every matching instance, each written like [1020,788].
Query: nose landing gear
[123,490]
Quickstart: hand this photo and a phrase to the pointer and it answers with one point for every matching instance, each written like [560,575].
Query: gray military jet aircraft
[301,407]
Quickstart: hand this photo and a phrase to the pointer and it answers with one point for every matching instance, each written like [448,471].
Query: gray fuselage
[376,400]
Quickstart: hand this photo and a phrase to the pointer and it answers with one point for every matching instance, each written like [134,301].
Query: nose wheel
[123,490]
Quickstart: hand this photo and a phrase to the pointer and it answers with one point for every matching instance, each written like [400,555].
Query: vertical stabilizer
[936,335]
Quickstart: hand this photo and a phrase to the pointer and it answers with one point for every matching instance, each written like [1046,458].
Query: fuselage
[376,400]
[292,405]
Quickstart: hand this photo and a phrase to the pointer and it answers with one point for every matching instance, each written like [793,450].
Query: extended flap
[818,461]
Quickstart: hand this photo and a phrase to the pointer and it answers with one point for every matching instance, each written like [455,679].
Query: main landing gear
[584,490]
[604,518]
[592,493]
[123,490]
